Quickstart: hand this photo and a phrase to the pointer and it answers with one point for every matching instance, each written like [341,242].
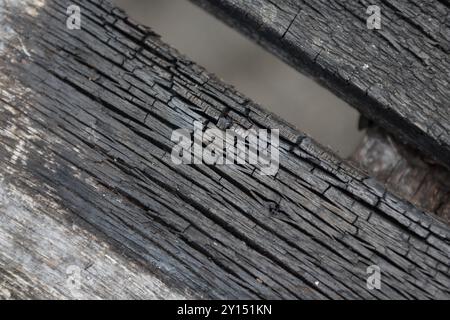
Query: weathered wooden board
[397,75]
[86,118]
[44,255]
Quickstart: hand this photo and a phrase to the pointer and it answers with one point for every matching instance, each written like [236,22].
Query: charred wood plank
[397,75]
[86,118]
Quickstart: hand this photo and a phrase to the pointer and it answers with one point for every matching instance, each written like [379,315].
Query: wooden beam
[397,76]
[86,119]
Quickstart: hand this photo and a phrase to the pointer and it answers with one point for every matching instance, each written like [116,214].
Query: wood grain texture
[86,118]
[397,76]
[45,255]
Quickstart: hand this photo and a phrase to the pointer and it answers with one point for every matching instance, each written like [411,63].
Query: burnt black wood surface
[86,117]
[397,75]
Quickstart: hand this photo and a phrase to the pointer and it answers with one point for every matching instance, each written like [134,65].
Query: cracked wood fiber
[397,76]
[86,118]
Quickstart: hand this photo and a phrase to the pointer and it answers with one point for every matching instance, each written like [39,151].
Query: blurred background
[256,73]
